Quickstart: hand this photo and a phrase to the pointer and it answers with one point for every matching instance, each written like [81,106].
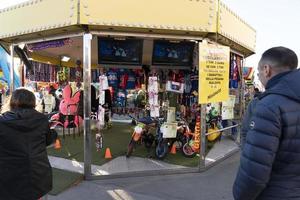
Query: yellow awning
[38,19]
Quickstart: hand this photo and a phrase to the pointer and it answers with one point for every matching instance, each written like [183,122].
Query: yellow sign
[213,73]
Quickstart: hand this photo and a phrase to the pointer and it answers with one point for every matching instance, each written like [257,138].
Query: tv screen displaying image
[172,53]
[111,51]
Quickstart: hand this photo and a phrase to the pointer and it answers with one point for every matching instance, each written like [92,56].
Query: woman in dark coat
[25,171]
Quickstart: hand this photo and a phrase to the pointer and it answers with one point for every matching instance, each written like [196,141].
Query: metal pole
[87,37]
[242,101]
[203,137]
[12,67]
[222,129]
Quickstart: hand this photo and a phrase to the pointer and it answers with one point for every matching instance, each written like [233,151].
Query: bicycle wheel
[130,148]
[188,151]
[161,150]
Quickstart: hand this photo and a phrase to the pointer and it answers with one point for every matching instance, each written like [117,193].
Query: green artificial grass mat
[62,180]
[117,139]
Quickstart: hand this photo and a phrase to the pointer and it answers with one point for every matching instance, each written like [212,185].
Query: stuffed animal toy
[68,107]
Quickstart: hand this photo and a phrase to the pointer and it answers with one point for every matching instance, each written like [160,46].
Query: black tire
[188,151]
[148,140]
[161,150]
[181,141]
[130,148]
[178,144]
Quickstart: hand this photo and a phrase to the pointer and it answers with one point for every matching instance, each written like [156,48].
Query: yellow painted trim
[45,18]
[37,15]
[235,29]
[185,15]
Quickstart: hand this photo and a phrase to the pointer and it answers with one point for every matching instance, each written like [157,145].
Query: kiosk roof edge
[194,18]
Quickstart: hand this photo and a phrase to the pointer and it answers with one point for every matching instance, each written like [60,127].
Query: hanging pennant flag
[49,44]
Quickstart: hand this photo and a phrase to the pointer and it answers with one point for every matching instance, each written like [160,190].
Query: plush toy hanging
[78,74]
[68,107]
[153,96]
[62,75]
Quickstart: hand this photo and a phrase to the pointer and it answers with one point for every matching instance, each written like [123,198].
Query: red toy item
[68,110]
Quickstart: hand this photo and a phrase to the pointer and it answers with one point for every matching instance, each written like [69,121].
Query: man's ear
[267,71]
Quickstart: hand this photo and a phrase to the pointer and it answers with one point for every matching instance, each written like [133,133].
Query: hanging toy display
[153,96]
[103,85]
[78,74]
[62,75]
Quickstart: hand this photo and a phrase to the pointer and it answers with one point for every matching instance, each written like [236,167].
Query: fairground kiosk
[206,22]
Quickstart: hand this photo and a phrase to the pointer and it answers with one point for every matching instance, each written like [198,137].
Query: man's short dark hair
[22,98]
[280,58]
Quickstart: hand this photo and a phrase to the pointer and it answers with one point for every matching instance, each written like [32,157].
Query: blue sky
[6,3]
[277,22]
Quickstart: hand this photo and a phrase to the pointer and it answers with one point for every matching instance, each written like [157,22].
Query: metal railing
[223,129]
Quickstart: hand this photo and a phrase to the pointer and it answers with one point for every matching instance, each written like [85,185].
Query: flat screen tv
[113,51]
[172,53]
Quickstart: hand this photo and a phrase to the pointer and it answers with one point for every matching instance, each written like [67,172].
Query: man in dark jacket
[270,159]
[246,120]
[25,171]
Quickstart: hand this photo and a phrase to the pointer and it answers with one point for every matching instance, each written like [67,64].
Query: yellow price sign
[213,73]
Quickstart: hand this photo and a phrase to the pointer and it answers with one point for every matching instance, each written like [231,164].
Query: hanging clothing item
[187,83]
[108,98]
[52,73]
[141,99]
[94,99]
[194,80]
[100,116]
[239,67]
[131,96]
[50,103]
[139,77]
[123,76]
[78,74]
[131,80]
[121,98]
[234,73]
[112,77]
[72,74]
[48,73]
[42,72]
[103,82]
[94,75]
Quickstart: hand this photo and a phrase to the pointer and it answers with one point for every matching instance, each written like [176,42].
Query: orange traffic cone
[57,144]
[107,153]
[173,149]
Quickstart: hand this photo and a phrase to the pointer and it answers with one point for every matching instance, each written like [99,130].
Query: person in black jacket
[270,159]
[25,171]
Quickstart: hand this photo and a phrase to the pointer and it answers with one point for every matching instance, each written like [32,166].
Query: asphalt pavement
[213,184]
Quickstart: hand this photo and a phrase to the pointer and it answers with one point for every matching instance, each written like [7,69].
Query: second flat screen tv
[172,53]
[127,51]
